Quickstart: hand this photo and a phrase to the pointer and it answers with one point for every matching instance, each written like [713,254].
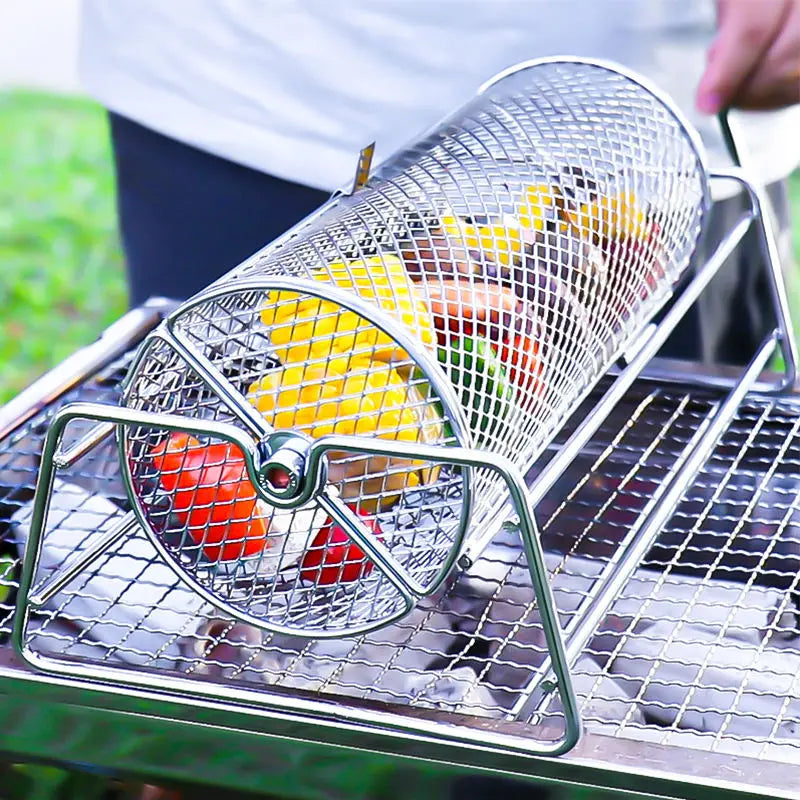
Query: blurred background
[61,277]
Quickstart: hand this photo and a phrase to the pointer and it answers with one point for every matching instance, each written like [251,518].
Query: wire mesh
[700,650]
[522,245]
[20,455]
[705,640]
[293,568]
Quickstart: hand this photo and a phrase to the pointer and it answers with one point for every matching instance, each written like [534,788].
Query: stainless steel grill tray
[699,650]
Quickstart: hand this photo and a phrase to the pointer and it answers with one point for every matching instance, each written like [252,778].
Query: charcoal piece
[128,601]
[690,678]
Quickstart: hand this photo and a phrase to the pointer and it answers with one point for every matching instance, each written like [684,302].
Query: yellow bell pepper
[377,482]
[542,203]
[353,397]
[617,217]
[340,375]
[502,239]
[502,243]
[322,399]
[304,328]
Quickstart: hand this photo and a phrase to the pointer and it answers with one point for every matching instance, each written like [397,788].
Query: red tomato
[334,557]
[168,458]
[212,496]
[520,357]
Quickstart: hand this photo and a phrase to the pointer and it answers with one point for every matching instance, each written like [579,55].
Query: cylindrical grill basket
[471,294]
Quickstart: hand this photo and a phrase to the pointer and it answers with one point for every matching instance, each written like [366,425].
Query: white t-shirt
[296,88]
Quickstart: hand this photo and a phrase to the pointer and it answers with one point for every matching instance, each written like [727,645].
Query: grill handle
[754,186]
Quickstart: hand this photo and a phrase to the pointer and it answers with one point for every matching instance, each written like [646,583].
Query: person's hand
[754,62]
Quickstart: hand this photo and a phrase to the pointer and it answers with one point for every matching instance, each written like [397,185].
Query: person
[233,119]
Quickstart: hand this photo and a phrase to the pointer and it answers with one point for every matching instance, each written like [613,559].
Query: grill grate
[19,464]
[701,650]
[707,639]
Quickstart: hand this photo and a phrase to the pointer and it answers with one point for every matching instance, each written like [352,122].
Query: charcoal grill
[634,572]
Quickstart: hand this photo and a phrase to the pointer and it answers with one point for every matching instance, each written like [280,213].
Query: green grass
[61,275]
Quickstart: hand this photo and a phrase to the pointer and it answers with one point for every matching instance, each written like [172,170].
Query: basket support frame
[466,457]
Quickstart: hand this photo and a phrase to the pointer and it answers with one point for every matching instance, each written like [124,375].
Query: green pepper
[7,565]
[480,380]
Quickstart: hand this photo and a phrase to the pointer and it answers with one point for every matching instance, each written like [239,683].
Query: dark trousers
[733,315]
[187,217]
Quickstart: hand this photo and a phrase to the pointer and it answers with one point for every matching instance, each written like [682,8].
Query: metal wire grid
[470,649]
[567,199]
[701,649]
[277,581]
[574,132]
[19,465]
[95,475]
[584,522]
[705,641]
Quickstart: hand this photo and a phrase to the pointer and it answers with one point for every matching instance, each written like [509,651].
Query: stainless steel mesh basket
[311,442]
[469,295]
